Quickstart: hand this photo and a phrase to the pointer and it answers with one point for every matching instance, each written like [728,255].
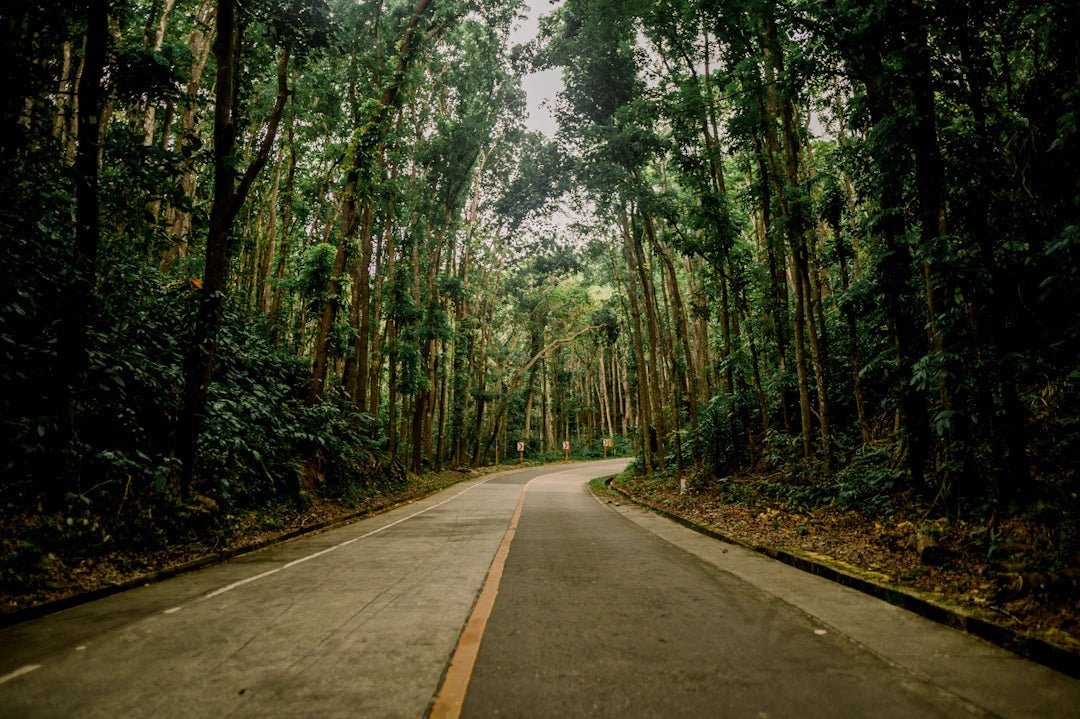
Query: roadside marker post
[566,449]
[521,453]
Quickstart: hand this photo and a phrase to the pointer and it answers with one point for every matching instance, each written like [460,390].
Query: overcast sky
[540,87]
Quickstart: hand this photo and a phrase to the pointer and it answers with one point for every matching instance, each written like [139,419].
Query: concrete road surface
[570,607]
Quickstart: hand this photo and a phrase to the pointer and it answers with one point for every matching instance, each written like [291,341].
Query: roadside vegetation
[262,259]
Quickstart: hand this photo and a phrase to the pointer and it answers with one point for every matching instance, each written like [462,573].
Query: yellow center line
[451,697]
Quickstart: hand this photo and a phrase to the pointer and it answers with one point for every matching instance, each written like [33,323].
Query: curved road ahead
[586,608]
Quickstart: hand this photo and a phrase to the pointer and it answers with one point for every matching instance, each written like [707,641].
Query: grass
[600,489]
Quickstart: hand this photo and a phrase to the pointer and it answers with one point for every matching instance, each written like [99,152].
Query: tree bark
[652,324]
[365,140]
[159,40]
[178,219]
[229,196]
[72,339]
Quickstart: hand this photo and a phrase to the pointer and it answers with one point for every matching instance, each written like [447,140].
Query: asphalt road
[586,608]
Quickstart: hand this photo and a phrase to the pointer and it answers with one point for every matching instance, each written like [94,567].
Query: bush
[722,435]
[870,480]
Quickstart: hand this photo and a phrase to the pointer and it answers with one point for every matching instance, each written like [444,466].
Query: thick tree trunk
[73,342]
[200,359]
[229,196]
[652,324]
[644,404]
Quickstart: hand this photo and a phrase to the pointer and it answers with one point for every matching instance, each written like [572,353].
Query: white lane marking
[242,582]
[81,648]
[229,587]
[174,610]
[321,552]
[19,672]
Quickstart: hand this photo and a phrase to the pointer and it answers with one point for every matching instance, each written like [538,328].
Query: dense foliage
[276,250]
[875,204]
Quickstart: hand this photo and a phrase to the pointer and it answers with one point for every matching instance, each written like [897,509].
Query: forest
[264,253]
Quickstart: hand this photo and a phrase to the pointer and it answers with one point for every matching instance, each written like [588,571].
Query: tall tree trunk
[178,218]
[229,196]
[652,323]
[605,407]
[159,40]
[699,303]
[275,285]
[894,268]
[200,358]
[263,289]
[682,330]
[375,370]
[637,340]
[66,92]
[354,376]
[985,310]
[365,141]
[805,413]
[481,389]
[842,254]
[73,341]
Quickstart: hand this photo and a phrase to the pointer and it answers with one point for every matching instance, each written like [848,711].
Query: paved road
[601,610]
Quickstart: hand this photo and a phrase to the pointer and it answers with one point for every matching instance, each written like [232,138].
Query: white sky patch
[540,91]
[540,87]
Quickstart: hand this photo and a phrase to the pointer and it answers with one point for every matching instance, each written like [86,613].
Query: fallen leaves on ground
[885,548]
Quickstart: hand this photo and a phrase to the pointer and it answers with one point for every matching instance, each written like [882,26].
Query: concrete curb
[45,608]
[1038,650]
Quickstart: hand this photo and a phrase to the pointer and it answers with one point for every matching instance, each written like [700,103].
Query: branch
[521,373]
[269,137]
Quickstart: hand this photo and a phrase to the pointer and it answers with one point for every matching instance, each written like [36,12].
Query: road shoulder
[929,650]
